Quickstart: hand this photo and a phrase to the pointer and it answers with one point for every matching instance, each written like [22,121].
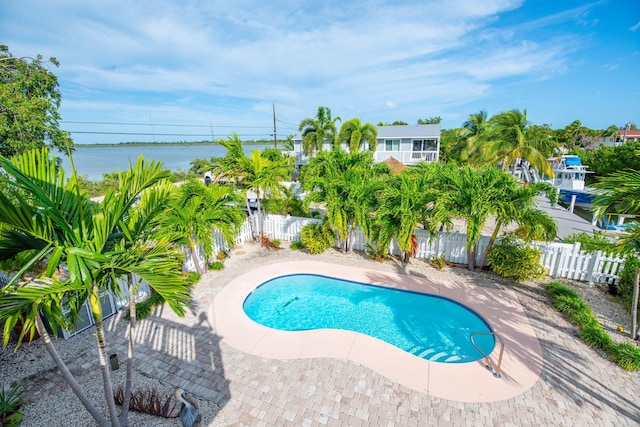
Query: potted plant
[11,402]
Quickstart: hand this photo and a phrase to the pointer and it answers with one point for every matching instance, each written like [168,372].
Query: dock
[568,223]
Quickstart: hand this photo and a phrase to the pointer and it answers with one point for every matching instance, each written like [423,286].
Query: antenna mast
[275,138]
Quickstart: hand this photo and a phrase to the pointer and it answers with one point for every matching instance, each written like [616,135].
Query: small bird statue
[189,410]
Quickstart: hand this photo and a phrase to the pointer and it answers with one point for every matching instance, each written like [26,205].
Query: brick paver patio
[577,386]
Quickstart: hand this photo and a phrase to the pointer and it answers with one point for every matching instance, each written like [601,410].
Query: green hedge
[566,300]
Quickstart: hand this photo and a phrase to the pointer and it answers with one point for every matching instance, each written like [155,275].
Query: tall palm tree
[52,221]
[507,141]
[196,211]
[264,177]
[620,193]
[315,131]
[474,129]
[356,134]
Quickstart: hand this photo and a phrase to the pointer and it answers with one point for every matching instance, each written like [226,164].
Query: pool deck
[576,386]
[464,382]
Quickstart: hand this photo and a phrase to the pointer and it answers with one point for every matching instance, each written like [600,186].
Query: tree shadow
[181,355]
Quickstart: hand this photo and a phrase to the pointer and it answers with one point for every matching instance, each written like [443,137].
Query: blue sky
[216,67]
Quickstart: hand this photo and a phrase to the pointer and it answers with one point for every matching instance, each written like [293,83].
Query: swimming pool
[431,327]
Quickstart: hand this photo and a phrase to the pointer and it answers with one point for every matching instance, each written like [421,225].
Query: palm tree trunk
[494,236]
[124,412]
[96,309]
[252,220]
[634,306]
[67,375]
[194,256]
[471,255]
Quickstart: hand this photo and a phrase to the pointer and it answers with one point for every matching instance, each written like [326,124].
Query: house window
[425,144]
[392,145]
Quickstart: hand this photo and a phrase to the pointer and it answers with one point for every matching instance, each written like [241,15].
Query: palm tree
[196,211]
[318,130]
[264,177]
[406,201]
[471,193]
[474,129]
[228,167]
[345,183]
[507,141]
[517,203]
[620,193]
[51,221]
[356,134]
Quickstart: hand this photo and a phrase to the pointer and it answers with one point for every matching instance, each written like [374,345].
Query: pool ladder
[489,366]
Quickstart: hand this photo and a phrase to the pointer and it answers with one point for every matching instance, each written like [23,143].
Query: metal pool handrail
[488,365]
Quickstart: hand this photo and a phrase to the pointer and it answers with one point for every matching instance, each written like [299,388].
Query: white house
[407,144]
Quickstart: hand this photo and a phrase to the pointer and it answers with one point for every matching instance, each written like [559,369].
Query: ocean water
[430,327]
[93,162]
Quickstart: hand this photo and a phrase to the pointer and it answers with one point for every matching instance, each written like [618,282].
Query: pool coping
[464,382]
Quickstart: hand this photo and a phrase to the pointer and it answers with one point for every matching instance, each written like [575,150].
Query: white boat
[569,179]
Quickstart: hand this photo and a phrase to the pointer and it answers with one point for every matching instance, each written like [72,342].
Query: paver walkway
[577,387]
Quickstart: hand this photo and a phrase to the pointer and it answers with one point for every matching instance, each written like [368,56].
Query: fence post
[595,262]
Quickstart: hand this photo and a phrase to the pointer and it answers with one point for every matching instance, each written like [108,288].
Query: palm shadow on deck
[184,356]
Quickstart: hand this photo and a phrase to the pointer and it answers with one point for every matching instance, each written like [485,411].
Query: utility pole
[275,138]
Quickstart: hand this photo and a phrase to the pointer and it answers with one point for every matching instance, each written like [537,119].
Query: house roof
[630,133]
[396,166]
[409,131]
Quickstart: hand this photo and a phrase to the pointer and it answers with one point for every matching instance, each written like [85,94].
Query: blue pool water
[431,327]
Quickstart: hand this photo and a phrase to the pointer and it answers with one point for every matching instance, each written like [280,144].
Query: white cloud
[634,28]
[229,60]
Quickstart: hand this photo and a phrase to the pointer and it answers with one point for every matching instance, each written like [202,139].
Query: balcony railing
[406,157]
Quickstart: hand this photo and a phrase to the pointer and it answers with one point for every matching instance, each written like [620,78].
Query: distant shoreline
[147,144]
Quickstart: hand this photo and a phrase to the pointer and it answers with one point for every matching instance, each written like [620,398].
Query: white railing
[407,157]
[560,260]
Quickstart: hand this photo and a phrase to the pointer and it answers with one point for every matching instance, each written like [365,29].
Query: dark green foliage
[511,259]
[591,243]
[217,265]
[317,238]
[597,337]
[29,101]
[148,401]
[10,400]
[296,246]
[556,289]
[571,305]
[606,160]
[627,356]
[627,278]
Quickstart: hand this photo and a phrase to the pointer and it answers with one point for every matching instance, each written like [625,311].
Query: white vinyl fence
[560,260]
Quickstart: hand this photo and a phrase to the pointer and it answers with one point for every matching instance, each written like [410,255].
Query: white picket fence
[560,260]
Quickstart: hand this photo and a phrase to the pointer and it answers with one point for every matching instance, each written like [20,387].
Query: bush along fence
[560,260]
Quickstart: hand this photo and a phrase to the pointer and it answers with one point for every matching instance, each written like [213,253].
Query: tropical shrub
[556,288]
[217,265]
[296,246]
[317,238]
[511,259]
[438,262]
[597,337]
[11,402]
[627,356]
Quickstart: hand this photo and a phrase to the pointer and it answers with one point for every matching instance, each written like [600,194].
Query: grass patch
[567,300]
